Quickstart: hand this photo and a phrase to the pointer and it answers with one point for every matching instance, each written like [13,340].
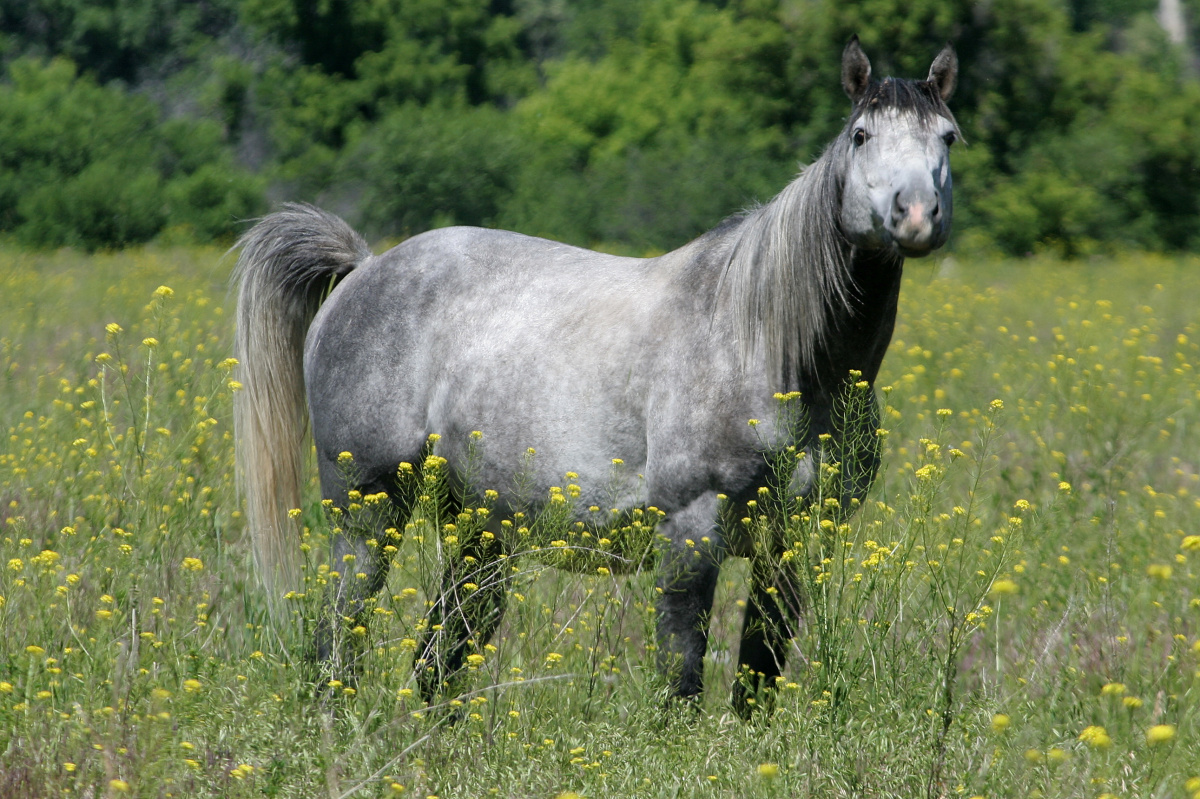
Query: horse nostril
[899,207]
[936,214]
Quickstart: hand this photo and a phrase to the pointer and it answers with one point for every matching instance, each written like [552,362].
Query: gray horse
[587,358]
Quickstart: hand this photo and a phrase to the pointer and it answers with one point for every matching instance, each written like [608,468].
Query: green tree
[113,39]
[633,123]
[363,62]
[662,136]
[428,166]
[92,166]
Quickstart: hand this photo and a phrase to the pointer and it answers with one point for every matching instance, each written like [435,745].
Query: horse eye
[950,138]
[860,137]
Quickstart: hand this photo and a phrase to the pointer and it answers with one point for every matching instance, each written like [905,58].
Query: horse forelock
[918,98]
[787,267]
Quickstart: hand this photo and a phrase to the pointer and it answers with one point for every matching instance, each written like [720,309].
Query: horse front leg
[772,611]
[464,616]
[686,583]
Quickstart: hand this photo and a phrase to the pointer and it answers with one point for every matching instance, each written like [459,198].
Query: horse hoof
[752,705]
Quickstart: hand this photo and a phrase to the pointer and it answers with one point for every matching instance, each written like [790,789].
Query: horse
[585,358]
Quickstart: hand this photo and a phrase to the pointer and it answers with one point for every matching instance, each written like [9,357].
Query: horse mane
[789,267]
[789,263]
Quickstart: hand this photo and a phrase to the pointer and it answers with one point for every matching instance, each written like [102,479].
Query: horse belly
[532,450]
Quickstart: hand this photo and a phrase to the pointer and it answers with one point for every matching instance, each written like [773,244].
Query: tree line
[628,124]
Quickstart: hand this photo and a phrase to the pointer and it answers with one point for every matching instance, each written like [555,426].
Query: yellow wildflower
[1160,733]
[1096,737]
[1003,587]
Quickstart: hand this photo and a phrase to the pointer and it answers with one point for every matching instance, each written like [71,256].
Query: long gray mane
[789,270]
[789,263]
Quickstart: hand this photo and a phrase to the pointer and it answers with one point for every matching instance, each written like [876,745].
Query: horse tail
[288,263]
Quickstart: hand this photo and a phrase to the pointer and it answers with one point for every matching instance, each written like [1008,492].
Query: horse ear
[856,69]
[943,73]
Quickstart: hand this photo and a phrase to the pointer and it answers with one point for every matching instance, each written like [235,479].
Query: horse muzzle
[917,220]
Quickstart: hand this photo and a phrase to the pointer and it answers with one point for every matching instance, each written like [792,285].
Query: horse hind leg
[364,526]
[465,614]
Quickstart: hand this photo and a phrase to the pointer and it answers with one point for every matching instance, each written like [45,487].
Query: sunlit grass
[1017,600]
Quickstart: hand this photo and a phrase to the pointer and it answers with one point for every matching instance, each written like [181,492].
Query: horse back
[574,354]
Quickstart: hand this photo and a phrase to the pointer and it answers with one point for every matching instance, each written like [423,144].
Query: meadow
[1014,611]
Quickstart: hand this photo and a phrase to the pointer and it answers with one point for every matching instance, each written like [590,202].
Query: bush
[661,138]
[213,202]
[105,204]
[93,166]
[423,167]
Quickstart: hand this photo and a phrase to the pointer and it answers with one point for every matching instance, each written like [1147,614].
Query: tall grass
[1012,611]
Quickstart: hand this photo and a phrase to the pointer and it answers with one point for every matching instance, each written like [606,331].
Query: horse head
[895,151]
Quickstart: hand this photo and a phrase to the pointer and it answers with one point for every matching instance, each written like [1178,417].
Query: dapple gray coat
[587,357]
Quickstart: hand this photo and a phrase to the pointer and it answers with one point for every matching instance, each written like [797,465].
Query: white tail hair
[288,263]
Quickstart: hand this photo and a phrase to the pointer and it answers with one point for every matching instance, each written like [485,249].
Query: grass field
[1014,612]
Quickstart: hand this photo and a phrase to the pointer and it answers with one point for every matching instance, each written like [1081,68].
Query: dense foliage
[629,124]
[84,164]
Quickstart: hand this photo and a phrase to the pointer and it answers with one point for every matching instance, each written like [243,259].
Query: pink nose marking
[916,213]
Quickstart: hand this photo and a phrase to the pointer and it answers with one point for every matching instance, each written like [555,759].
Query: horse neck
[805,304]
[860,329]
